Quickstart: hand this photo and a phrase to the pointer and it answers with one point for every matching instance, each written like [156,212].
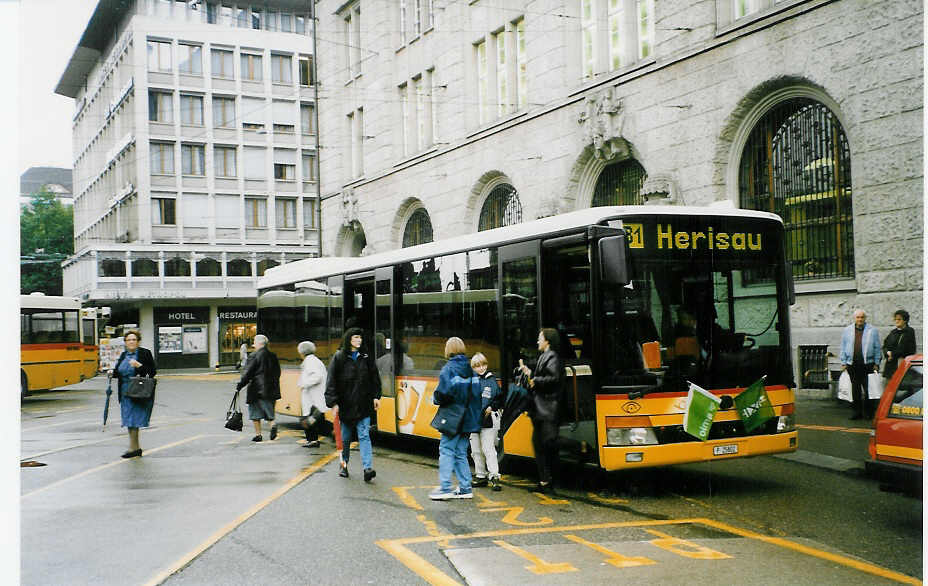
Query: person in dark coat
[353,387]
[483,442]
[898,344]
[262,375]
[135,413]
[455,387]
[546,383]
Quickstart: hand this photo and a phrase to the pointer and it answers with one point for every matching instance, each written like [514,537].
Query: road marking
[398,547]
[866,430]
[726,513]
[111,464]
[606,500]
[485,502]
[685,548]
[512,517]
[57,424]
[431,527]
[215,537]
[613,557]
[406,498]
[539,566]
[544,499]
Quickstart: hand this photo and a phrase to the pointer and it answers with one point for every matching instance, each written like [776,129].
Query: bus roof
[318,268]
[48,302]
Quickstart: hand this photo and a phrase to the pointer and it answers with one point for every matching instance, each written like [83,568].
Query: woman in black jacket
[353,386]
[546,382]
[136,413]
[262,375]
[899,343]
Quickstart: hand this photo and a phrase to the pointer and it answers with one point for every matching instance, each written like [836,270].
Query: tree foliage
[46,237]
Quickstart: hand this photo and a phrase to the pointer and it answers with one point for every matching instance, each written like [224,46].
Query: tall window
[616,24]
[306,70]
[404,105]
[483,86]
[191,110]
[255,212]
[280,69]
[190,59]
[223,112]
[306,118]
[645,14]
[422,123]
[627,34]
[588,36]
[742,8]
[193,159]
[620,184]
[251,67]
[502,87]
[351,27]
[286,213]
[162,158]
[159,55]
[163,211]
[309,167]
[797,164]
[355,127]
[418,229]
[501,208]
[521,64]
[160,106]
[224,161]
[222,63]
[309,213]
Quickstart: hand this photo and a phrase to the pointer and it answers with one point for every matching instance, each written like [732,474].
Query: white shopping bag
[844,387]
[874,385]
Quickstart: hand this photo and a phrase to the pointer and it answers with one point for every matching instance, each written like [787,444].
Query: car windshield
[907,402]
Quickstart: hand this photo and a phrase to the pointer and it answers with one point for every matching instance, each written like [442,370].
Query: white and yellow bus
[51,350]
[646,300]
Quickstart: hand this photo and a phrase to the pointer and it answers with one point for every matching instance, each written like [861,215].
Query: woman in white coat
[312,397]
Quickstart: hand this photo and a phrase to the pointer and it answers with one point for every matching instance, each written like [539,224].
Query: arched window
[144,267]
[620,184]
[111,267]
[797,164]
[177,267]
[238,268]
[418,229]
[209,267]
[502,208]
[265,264]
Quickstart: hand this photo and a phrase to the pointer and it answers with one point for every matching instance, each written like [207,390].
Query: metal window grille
[813,366]
[502,208]
[620,184]
[797,164]
[418,229]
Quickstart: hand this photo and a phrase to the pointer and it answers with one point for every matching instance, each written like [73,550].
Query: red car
[896,441]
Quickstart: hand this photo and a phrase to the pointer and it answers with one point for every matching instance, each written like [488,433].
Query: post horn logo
[631,407]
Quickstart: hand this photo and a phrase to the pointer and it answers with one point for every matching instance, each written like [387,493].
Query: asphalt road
[205,505]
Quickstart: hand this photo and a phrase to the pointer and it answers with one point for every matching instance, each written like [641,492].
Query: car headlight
[786,423]
[630,436]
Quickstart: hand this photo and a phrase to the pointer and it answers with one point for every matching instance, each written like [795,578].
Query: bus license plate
[725,450]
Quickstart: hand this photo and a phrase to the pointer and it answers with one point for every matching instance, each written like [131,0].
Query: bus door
[519,275]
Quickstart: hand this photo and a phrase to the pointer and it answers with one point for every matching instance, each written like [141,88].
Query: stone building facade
[442,118]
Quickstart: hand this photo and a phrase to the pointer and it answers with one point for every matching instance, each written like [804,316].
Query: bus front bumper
[625,457]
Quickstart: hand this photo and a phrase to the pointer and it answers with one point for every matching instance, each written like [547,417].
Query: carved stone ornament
[659,189]
[349,207]
[601,123]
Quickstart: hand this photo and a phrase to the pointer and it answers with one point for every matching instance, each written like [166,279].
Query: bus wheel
[23,384]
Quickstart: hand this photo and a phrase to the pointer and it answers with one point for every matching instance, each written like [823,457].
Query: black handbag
[234,415]
[140,387]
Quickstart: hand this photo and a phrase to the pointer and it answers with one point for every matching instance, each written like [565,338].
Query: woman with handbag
[135,412]
[458,416]
[312,393]
[546,383]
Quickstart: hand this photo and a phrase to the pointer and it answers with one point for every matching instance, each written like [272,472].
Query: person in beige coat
[312,392]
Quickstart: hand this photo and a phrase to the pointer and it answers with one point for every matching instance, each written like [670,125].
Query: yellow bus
[646,300]
[90,340]
[51,351]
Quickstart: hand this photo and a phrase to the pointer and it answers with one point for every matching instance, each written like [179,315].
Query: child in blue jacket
[483,442]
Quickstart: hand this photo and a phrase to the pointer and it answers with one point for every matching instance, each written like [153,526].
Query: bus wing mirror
[613,268]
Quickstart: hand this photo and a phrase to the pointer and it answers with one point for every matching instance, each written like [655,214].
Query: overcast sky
[49,31]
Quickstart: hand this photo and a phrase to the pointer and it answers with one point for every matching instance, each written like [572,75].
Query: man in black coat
[353,386]
[262,375]
[899,343]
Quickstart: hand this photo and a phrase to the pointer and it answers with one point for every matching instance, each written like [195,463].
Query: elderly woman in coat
[136,413]
[312,392]
[262,377]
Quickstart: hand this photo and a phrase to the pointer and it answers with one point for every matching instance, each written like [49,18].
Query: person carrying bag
[234,415]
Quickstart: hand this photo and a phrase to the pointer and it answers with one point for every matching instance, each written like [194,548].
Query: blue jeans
[363,428]
[452,457]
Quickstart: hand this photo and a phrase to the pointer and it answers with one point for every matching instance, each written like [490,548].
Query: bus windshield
[716,317]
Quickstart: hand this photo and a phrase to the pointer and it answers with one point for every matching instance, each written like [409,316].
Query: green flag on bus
[701,406]
[753,405]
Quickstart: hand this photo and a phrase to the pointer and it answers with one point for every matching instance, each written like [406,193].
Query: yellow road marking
[431,527]
[403,493]
[539,566]
[685,548]
[212,539]
[398,547]
[726,513]
[613,557]
[606,500]
[485,502]
[544,499]
[512,517]
[835,428]
[111,464]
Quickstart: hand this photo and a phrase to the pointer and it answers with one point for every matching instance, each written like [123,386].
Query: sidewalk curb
[842,465]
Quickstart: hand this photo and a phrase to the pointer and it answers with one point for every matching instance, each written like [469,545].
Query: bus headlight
[630,436]
[786,423]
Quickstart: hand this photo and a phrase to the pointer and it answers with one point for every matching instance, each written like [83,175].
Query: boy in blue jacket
[483,442]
